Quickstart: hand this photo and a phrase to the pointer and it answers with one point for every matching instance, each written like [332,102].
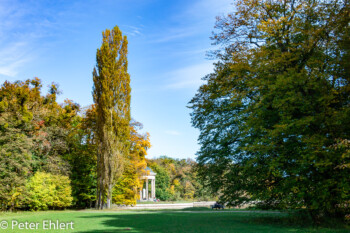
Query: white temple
[144,193]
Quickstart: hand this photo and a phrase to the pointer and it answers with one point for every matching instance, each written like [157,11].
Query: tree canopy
[274,115]
[34,137]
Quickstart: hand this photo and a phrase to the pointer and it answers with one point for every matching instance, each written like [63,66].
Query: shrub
[48,191]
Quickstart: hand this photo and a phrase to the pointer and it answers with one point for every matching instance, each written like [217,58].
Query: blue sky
[57,41]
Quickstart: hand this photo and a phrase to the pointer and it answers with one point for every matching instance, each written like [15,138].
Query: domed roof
[150,171]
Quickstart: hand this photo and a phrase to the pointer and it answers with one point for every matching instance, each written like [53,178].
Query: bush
[48,191]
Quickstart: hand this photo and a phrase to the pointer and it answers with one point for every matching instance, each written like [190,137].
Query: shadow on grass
[170,210]
[195,209]
[301,219]
[170,222]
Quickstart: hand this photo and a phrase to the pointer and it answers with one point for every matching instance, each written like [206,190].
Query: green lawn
[162,221]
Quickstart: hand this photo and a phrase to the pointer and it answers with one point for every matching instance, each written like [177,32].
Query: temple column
[153,188]
[147,189]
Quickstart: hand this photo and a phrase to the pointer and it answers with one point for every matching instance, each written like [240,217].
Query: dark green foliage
[82,160]
[15,164]
[162,183]
[276,107]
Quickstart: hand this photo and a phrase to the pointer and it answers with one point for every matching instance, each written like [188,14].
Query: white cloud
[17,37]
[173,132]
[190,76]
[173,34]
[25,29]
[13,56]
[13,49]
[208,9]
[11,69]
[191,21]
[132,30]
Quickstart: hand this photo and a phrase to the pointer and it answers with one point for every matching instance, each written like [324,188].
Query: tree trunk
[109,197]
[102,201]
[99,200]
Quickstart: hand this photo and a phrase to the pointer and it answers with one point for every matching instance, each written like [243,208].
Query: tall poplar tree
[111,93]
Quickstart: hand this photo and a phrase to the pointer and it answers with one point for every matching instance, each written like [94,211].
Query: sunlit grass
[203,220]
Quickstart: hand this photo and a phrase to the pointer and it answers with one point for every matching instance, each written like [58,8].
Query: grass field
[162,221]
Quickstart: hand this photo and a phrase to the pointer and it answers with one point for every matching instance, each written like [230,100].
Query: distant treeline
[177,180]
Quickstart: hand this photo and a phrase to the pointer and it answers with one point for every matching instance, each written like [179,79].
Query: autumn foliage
[48,151]
[274,115]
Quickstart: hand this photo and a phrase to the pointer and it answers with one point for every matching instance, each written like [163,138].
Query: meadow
[191,220]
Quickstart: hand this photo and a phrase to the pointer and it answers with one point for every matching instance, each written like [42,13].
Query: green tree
[177,179]
[162,182]
[82,159]
[111,95]
[276,106]
[15,166]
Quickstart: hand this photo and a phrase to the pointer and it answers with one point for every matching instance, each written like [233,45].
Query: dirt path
[187,211]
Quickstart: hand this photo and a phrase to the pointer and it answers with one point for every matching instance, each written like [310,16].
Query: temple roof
[150,171]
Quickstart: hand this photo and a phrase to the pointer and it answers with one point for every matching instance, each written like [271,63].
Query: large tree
[34,136]
[274,116]
[111,93]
